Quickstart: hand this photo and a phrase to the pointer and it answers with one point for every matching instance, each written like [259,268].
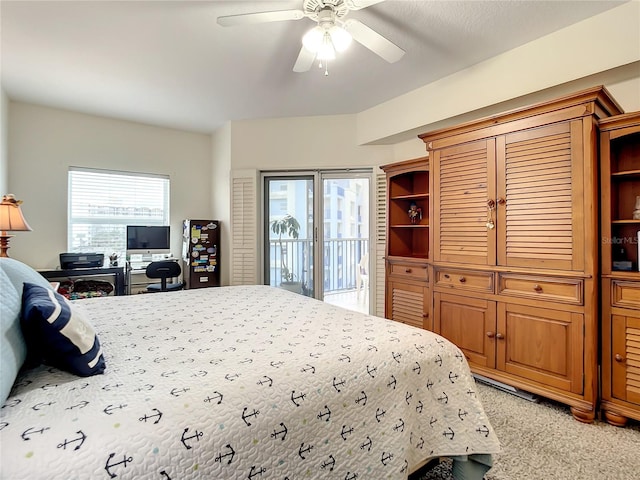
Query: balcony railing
[341,258]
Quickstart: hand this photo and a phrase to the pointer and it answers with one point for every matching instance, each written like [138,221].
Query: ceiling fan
[332,32]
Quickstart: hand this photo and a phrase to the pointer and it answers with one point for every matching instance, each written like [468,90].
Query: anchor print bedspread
[245,382]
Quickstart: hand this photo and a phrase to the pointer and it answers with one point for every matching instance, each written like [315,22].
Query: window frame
[131,185]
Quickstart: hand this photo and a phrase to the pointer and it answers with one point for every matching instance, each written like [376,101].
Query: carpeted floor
[542,441]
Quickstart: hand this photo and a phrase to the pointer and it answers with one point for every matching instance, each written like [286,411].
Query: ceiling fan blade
[373,41]
[304,61]
[360,4]
[261,17]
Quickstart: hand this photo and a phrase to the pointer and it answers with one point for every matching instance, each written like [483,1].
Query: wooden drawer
[464,280]
[406,270]
[625,294]
[566,290]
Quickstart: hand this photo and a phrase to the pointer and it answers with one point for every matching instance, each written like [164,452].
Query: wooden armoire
[511,265]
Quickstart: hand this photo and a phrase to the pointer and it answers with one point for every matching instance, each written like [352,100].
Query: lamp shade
[11,218]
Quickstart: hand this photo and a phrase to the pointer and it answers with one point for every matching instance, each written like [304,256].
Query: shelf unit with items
[620,285]
[408,208]
[620,160]
[408,294]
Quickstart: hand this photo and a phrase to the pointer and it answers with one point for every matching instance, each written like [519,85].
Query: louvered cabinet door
[625,361]
[407,302]
[464,183]
[540,207]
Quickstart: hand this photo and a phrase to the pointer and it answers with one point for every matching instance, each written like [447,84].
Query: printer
[69,261]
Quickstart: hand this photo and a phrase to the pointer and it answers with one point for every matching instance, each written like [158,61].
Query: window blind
[103,202]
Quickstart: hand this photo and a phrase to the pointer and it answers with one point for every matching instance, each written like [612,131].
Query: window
[103,202]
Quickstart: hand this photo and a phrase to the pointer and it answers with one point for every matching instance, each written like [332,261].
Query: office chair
[163,270]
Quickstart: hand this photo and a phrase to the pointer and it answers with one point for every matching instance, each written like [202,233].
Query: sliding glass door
[316,235]
[289,228]
[345,240]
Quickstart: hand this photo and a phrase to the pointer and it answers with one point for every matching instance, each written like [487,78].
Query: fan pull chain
[326,67]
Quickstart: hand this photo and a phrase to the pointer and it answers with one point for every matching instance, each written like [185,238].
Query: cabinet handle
[499,336]
[501,201]
[537,288]
[462,279]
[407,270]
[446,275]
[491,334]
[619,358]
[491,206]
[425,315]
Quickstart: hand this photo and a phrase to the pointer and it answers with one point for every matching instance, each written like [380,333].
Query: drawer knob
[446,275]
[462,279]
[407,270]
[619,358]
[537,288]
[491,334]
[499,336]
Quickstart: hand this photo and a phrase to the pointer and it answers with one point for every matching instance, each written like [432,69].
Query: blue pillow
[13,349]
[19,273]
[58,333]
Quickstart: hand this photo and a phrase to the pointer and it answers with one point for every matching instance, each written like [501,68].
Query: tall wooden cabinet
[620,193]
[408,297]
[514,245]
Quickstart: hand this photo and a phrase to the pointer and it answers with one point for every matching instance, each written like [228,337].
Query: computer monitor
[148,239]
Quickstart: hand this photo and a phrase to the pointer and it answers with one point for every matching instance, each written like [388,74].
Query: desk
[136,276]
[116,272]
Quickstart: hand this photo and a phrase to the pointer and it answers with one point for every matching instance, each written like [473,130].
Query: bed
[247,382]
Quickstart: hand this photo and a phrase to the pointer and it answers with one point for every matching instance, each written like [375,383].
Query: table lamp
[11,220]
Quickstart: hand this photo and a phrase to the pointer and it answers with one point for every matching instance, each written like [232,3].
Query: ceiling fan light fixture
[340,38]
[325,39]
[327,50]
[332,32]
[312,40]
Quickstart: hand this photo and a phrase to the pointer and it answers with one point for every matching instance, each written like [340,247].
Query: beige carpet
[542,441]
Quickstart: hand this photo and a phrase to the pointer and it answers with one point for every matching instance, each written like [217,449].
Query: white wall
[302,142]
[598,44]
[44,142]
[623,83]
[4,143]
[221,195]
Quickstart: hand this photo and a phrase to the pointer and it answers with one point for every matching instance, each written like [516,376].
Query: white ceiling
[169,63]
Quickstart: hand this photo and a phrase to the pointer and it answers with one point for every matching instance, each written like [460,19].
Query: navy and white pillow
[58,333]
